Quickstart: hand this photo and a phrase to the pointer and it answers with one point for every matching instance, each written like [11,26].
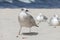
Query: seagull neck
[22,12]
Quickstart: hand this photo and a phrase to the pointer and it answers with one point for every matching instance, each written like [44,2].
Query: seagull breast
[54,21]
[26,20]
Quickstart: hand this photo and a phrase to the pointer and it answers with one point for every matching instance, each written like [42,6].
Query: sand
[9,25]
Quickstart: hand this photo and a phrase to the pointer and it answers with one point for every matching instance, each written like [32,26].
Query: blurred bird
[26,20]
[41,18]
[54,21]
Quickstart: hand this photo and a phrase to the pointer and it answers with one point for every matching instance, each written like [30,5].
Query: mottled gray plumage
[26,20]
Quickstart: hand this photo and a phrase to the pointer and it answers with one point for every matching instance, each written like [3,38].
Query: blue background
[36,4]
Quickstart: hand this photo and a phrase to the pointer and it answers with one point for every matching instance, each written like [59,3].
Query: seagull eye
[26,10]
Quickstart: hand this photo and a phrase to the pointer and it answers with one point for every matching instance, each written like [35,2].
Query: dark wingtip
[37,26]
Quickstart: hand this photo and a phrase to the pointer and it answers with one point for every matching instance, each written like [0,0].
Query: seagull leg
[19,31]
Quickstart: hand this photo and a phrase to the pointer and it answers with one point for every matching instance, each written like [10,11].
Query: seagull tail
[36,25]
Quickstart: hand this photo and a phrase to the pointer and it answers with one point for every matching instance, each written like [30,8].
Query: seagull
[54,21]
[41,18]
[26,20]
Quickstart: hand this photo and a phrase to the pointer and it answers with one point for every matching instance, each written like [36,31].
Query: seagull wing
[31,19]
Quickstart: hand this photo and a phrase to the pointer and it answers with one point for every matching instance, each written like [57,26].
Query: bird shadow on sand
[30,33]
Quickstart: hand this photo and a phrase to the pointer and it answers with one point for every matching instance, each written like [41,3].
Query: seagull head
[23,9]
[26,10]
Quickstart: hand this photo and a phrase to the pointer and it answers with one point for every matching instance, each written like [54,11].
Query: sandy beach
[9,25]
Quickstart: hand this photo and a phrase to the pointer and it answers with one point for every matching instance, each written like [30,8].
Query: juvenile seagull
[41,18]
[26,20]
[54,21]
